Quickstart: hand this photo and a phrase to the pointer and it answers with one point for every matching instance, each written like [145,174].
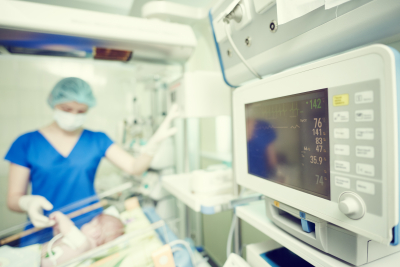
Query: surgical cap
[71,89]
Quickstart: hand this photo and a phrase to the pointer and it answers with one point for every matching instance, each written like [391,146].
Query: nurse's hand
[136,166]
[163,132]
[34,206]
[63,224]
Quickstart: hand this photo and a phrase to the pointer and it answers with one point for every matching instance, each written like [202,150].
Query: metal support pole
[237,234]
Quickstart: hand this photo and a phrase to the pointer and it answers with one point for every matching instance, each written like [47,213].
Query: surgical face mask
[68,121]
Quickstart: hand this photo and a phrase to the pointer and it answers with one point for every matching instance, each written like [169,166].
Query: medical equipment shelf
[226,157]
[179,186]
[255,215]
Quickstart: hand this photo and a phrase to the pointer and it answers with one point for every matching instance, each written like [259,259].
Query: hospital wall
[25,82]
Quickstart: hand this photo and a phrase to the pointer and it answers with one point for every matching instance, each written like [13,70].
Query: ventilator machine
[320,140]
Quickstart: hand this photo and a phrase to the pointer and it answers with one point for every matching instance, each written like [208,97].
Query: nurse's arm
[18,180]
[126,162]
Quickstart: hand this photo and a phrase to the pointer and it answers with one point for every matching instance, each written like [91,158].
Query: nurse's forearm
[12,203]
[126,162]
[141,164]
[18,180]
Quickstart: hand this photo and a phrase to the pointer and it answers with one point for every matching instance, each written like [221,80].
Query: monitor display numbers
[315,103]
[288,141]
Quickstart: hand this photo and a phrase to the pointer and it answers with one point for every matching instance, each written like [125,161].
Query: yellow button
[341,100]
[276,203]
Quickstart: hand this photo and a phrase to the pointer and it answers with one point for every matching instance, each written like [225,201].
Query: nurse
[61,159]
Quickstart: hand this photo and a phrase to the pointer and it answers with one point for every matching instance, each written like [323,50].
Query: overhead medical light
[45,52]
[38,26]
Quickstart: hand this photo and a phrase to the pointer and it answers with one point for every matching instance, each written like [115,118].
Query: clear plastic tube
[50,246]
[187,246]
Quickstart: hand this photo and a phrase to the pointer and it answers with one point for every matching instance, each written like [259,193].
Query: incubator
[141,241]
[39,29]
[146,211]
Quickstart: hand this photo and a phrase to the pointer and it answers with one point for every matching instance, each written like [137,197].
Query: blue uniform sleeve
[18,151]
[104,142]
[266,132]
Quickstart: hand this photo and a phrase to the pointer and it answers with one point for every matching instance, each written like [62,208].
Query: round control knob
[348,206]
[351,205]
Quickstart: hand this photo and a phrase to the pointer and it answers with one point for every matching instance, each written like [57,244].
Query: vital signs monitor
[320,141]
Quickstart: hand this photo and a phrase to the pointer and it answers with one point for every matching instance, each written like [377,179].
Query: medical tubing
[49,247]
[166,239]
[230,236]
[176,249]
[238,52]
[187,246]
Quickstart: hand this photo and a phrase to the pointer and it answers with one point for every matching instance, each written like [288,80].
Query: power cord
[230,235]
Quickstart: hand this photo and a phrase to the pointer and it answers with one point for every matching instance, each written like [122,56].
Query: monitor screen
[288,141]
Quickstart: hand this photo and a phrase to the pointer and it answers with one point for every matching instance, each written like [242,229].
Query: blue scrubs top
[257,159]
[61,180]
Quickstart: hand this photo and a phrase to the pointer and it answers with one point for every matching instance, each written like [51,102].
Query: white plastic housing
[246,5]
[318,34]
[263,5]
[148,39]
[375,62]
[201,94]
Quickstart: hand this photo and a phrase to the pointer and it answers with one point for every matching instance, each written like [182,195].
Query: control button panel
[355,142]
[364,97]
[342,182]
[364,133]
[342,116]
[341,100]
[365,152]
[364,115]
[342,166]
[341,133]
[365,187]
[342,150]
[365,169]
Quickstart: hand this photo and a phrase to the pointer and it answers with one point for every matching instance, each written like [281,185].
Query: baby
[72,242]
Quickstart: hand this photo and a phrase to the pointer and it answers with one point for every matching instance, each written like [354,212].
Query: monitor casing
[373,63]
